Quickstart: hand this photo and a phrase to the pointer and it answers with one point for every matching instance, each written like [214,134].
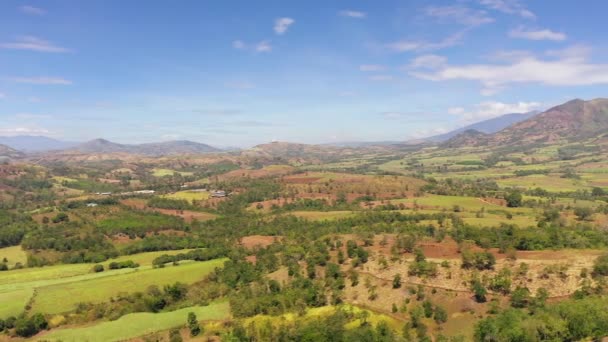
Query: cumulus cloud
[372,67]
[238,44]
[569,67]
[353,14]
[491,109]
[428,61]
[42,80]
[418,46]
[11,131]
[544,34]
[459,14]
[281,25]
[514,7]
[33,44]
[27,9]
[263,46]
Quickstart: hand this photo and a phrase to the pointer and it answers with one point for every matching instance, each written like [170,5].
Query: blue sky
[239,73]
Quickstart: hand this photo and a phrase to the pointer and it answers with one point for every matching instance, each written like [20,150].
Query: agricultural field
[138,324]
[189,195]
[166,172]
[425,243]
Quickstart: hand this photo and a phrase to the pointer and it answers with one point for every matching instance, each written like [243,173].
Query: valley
[498,235]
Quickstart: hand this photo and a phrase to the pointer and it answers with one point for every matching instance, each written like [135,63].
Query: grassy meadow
[137,324]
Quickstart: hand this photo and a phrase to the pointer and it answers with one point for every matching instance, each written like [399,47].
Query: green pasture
[552,183]
[137,324]
[189,195]
[157,172]
[64,297]
[13,255]
[17,286]
[323,215]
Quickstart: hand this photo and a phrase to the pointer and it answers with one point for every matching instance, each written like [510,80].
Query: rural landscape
[499,237]
[306,171]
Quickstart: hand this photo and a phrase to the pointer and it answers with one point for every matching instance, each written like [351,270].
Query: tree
[441,316]
[193,325]
[520,297]
[583,213]
[600,266]
[61,217]
[597,192]
[514,199]
[397,281]
[479,290]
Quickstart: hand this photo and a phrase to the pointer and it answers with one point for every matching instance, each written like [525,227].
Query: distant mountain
[487,126]
[356,144]
[150,149]
[468,137]
[573,120]
[9,152]
[30,143]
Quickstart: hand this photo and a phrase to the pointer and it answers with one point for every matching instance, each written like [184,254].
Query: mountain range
[572,121]
[576,119]
[29,143]
[148,149]
[487,126]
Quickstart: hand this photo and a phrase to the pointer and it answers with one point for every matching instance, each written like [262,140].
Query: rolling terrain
[444,240]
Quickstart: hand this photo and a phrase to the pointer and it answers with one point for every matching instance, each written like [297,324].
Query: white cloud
[238,44]
[263,46]
[491,109]
[459,14]
[456,110]
[423,133]
[428,61]
[381,78]
[569,68]
[282,24]
[33,44]
[353,14]
[545,34]
[42,80]
[32,10]
[408,45]
[509,7]
[372,67]
[23,131]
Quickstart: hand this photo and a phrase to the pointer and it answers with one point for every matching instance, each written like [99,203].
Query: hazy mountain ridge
[572,121]
[488,126]
[31,143]
[148,149]
[9,152]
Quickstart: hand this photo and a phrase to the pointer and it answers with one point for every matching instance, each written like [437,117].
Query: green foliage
[193,325]
[600,266]
[520,297]
[397,281]
[514,199]
[569,320]
[480,260]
